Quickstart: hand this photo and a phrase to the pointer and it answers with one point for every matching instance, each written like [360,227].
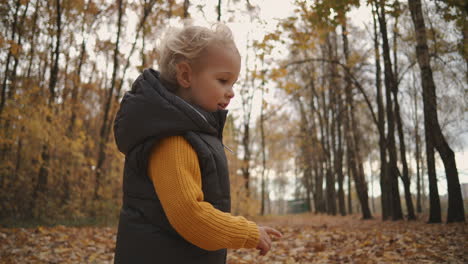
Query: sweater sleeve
[174,169]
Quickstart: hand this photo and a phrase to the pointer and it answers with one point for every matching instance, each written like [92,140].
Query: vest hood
[149,110]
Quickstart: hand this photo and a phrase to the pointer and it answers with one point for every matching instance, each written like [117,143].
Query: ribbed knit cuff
[254,236]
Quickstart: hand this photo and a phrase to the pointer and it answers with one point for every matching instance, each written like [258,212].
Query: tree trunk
[423,180]
[350,201]
[363,195]
[434,201]
[418,176]
[105,131]
[32,41]
[372,186]
[306,156]
[75,90]
[43,175]
[456,212]
[7,64]
[262,136]
[186,7]
[390,84]
[18,153]
[246,101]
[5,148]
[352,142]
[330,204]
[246,159]
[338,161]
[417,154]
[143,48]
[321,161]
[337,123]
[330,134]
[320,204]
[219,10]
[55,68]
[141,25]
[384,182]
[16,60]
[77,79]
[404,177]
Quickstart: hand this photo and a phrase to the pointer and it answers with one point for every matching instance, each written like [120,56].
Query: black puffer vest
[147,114]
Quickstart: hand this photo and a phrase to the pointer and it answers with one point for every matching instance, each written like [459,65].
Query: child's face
[212,77]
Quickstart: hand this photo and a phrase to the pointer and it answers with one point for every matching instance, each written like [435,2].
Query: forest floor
[306,239]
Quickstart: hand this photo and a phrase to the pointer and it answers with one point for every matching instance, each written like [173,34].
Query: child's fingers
[262,250]
[272,231]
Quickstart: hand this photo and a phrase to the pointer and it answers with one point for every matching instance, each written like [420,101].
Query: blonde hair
[187,44]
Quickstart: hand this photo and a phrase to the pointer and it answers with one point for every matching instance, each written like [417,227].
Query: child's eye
[222,81]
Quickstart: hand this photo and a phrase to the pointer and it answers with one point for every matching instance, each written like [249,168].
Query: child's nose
[230,94]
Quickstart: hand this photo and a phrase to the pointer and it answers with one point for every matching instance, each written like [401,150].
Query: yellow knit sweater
[175,172]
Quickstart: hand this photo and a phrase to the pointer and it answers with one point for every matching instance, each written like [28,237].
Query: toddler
[176,196]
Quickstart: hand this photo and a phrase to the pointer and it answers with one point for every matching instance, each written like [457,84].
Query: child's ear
[184,74]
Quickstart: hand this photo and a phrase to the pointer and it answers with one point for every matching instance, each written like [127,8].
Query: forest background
[342,106]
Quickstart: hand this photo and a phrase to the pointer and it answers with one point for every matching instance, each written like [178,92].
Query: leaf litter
[307,238]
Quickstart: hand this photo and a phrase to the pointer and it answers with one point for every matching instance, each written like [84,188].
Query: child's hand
[264,244]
